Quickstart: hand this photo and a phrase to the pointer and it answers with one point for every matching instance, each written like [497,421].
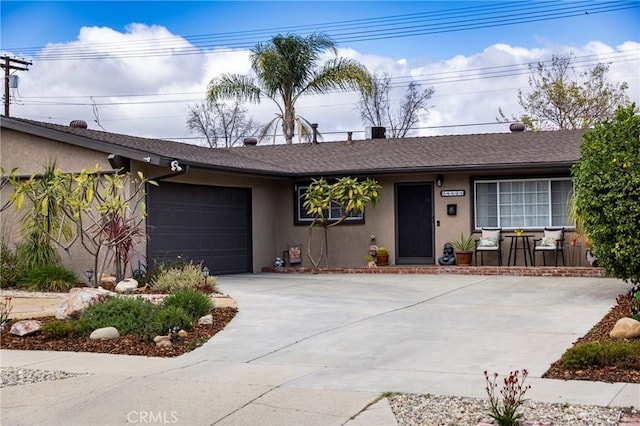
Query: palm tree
[285,69]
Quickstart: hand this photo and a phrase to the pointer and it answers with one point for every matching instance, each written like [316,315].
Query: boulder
[79,299]
[25,327]
[163,342]
[625,328]
[104,333]
[182,334]
[126,285]
[206,320]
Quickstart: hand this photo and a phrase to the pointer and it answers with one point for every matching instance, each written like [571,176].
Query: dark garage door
[202,223]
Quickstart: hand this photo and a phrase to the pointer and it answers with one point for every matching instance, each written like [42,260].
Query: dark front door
[414,223]
[209,224]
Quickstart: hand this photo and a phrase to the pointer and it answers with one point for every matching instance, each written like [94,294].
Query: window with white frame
[522,203]
[335,213]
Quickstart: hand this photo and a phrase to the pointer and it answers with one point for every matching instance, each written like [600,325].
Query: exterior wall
[30,154]
[348,243]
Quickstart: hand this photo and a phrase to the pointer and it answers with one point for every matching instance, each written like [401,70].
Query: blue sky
[46,92]
[32,24]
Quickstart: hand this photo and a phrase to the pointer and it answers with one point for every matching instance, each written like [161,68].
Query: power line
[352,31]
[438,78]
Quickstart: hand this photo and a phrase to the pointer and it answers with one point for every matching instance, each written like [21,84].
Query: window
[522,203]
[335,213]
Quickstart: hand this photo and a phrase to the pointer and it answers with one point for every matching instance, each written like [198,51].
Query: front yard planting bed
[124,345]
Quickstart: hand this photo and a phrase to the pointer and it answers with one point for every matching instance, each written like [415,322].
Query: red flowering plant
[505,412]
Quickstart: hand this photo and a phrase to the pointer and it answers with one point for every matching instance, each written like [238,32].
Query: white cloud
[469,89]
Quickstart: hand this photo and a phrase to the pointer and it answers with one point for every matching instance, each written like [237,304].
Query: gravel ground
[411,409]
[10,376]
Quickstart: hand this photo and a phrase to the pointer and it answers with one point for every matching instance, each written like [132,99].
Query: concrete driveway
[320,349]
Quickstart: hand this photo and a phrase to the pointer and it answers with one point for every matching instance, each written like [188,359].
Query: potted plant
[464,249]
[382,256]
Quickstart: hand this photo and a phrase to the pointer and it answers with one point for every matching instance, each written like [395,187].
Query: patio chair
[551,242]
[489,241]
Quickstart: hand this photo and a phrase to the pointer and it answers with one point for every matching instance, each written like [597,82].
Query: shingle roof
[433,153]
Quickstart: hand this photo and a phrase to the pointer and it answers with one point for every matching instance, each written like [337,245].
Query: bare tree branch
[221,124]
[376,110]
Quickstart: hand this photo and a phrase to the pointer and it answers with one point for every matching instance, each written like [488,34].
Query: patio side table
[524,246]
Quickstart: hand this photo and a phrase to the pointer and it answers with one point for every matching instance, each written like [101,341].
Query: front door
[414,223]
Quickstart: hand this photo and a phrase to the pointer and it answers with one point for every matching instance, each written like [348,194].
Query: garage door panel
[202,223]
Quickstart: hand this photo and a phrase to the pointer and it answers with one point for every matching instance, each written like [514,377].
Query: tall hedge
[607,192]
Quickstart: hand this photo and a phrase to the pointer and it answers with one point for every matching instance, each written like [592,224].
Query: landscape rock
[25,327]
[182,334]
[126,285]
[206,320]
[104,333]
[164,343]
[625,328]
[79,299]
[161,339]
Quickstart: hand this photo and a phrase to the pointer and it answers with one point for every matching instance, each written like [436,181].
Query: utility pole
[9,64]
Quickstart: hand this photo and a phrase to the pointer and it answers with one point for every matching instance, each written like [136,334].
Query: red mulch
[126,345]
[599,333]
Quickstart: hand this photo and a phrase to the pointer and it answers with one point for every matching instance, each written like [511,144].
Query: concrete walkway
[320,350]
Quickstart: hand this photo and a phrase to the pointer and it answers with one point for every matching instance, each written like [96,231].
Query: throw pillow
[488,242]
[548,242]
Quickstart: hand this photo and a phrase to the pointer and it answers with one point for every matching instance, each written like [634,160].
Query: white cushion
[556,235]
[491,234]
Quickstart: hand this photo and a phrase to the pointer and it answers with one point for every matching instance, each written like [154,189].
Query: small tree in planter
[464,249]
[348,194]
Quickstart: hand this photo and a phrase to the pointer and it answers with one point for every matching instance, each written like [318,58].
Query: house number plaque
[452,193]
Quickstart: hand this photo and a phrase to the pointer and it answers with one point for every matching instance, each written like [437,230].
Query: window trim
[497,181]
[297,209]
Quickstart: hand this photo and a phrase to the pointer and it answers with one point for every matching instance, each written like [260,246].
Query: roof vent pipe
[516,127]
[80,124]
[349,138]
[250,141]
[314,128]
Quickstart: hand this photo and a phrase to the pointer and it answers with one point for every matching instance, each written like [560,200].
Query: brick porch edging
[525,271]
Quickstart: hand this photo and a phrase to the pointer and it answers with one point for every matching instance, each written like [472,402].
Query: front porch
[527,271]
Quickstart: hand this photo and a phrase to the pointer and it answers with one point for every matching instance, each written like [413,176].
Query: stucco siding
[30,154]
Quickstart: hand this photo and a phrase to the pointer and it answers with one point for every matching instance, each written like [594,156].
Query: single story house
[239,208]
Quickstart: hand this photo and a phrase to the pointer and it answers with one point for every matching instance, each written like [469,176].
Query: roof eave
[563,165]
[84,142]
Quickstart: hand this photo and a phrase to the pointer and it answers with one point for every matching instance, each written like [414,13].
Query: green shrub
[49,278]
[159,266]
[11,271]
[60,329]
[169,319]
[194,303]
[606,178]
[128,315]
[35,250]
[603,354]
[190,276]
